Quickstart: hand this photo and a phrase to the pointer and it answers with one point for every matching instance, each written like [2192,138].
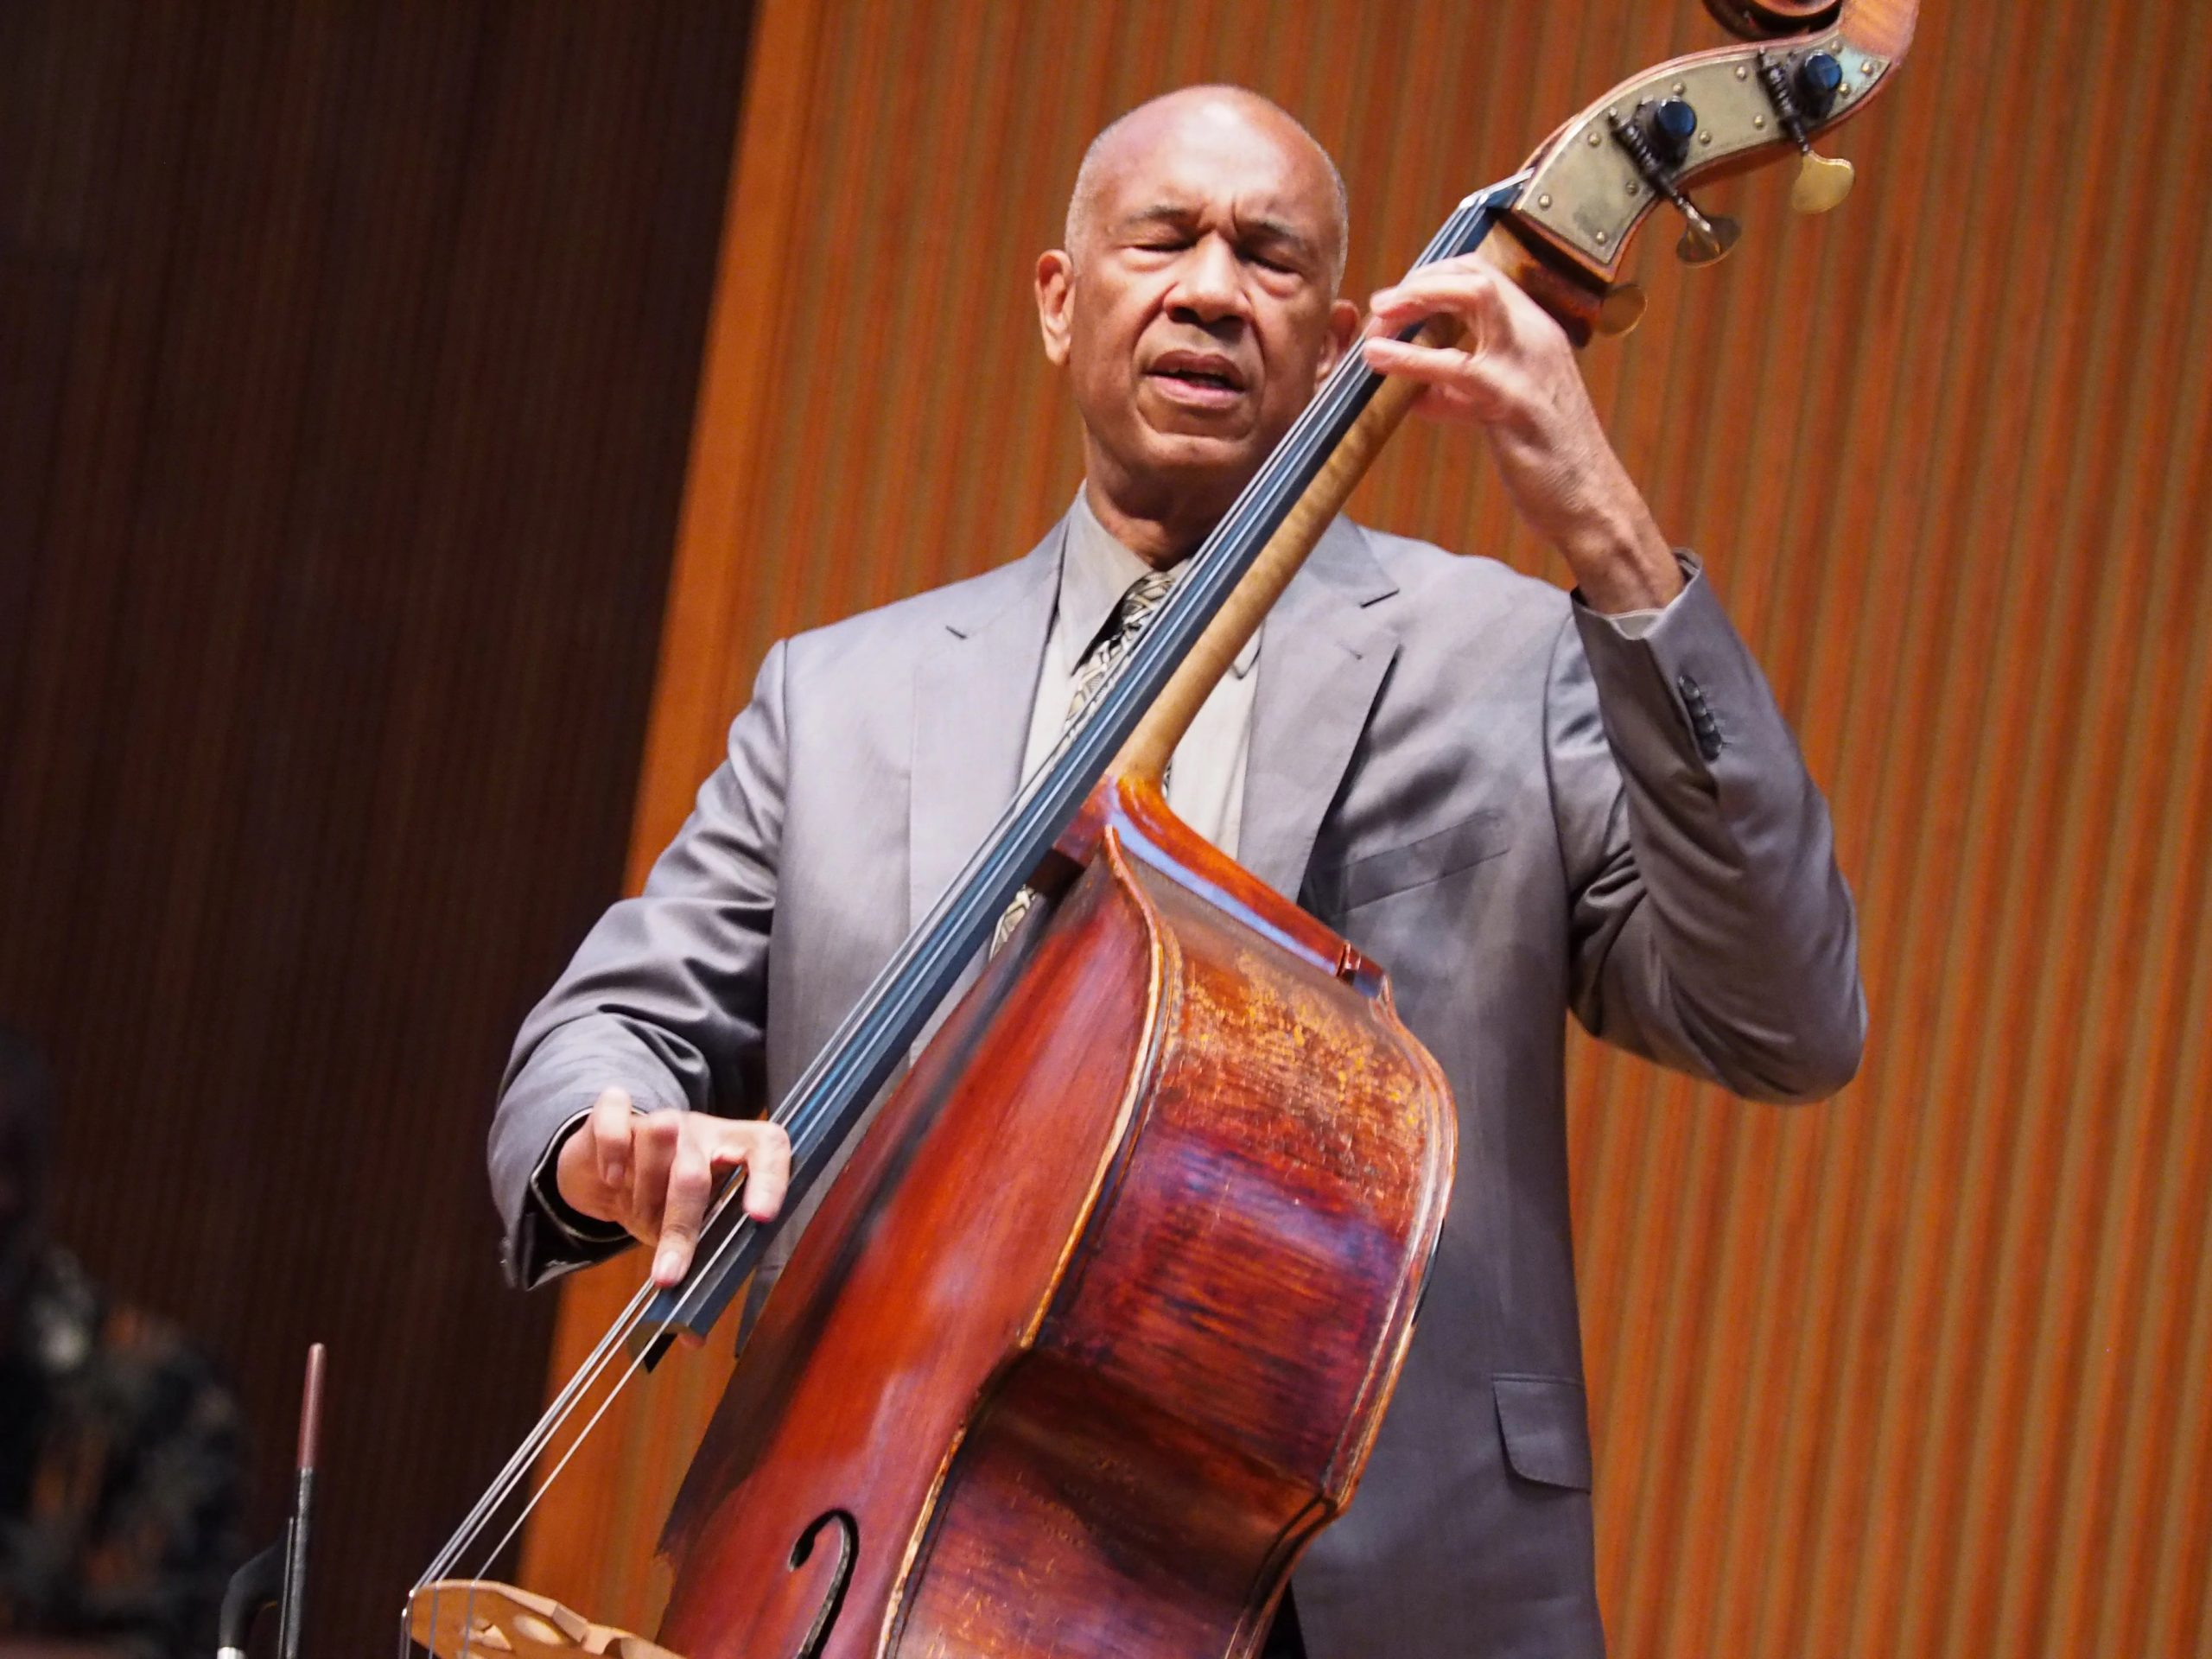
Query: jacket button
[1702,725]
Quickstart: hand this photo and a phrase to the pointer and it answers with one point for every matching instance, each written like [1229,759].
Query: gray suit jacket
[1513,807]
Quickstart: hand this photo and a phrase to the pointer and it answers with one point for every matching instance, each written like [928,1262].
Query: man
[121,1451]
[1517,802]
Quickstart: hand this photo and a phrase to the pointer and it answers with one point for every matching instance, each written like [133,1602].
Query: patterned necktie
[1115,641]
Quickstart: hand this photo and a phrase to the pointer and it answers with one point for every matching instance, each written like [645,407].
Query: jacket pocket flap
[1416,863]
[1546,1429]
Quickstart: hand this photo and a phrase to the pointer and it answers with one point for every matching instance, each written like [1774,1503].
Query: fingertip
[764,1193]
[668,1267]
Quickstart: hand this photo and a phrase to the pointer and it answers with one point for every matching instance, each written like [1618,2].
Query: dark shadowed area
[347,355]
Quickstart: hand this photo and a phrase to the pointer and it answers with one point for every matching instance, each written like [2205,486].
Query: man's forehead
[1214,151]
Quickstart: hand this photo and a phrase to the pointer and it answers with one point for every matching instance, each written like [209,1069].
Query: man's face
[1198,314]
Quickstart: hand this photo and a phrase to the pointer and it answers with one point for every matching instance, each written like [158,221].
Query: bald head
[1194,306]
[1204,115]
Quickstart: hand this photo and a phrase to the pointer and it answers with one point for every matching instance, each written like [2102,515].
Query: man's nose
[1210,287]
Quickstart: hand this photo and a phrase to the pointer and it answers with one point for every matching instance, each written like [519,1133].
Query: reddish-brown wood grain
[1097,1327]
[1911,1373]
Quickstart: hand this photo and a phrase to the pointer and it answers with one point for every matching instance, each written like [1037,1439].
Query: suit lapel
[973,689]
[1323,662]
[1325,656]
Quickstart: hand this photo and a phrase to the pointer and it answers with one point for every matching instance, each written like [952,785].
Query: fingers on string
[1432,365]
[654,1139]
[1457,383]
[690,1183]
[609,1126]
[1473,292]
[1465,376]
[767,1160]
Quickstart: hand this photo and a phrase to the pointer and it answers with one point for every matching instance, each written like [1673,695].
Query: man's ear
[1343,328]
[1055,302]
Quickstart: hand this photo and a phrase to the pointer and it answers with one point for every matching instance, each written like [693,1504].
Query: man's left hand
[1514,374]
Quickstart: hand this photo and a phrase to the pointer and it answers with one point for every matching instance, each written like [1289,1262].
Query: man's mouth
[1197,379]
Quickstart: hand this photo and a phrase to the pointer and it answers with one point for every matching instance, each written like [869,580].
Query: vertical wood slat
[346,352]
[1907,1373]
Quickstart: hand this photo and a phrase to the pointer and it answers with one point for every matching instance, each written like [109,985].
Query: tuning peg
[1819,79]
[1620,310]
[1705,241]
[1674,123]
[1822,183]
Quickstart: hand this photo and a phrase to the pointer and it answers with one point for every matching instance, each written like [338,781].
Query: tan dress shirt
[1206,784]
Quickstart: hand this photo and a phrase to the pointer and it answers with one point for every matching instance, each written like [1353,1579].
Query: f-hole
[848,1547]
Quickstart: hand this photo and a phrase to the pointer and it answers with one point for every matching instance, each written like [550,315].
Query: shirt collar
[1095,570]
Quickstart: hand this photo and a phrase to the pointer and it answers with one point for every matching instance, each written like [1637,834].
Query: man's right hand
[653,1172]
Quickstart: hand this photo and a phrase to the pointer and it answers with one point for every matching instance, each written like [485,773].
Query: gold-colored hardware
[1544,201]
[1706,241]
[1620,310]
[1822,183]
[1586,177]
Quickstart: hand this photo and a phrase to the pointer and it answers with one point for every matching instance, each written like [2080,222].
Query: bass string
[636,1360]
[549,1423]
[1220,565]
[1215,571]
[810,1108]
[517,1466]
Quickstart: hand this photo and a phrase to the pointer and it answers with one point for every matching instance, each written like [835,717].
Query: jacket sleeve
[666,997]
[1711,928]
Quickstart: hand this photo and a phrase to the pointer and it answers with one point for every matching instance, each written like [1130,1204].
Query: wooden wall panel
[347,355]
[1916,1372]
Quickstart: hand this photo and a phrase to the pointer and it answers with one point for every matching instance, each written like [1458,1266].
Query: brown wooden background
[348,352]
[1921,1372]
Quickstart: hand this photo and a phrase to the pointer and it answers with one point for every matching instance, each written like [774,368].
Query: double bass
[1099,1402]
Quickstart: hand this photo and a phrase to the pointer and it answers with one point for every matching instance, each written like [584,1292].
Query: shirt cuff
[1634,625]
[580,1230]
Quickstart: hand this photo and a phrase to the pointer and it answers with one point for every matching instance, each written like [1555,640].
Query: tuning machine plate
[1586,194]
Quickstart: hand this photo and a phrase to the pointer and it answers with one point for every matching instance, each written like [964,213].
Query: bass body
[1096,1329]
